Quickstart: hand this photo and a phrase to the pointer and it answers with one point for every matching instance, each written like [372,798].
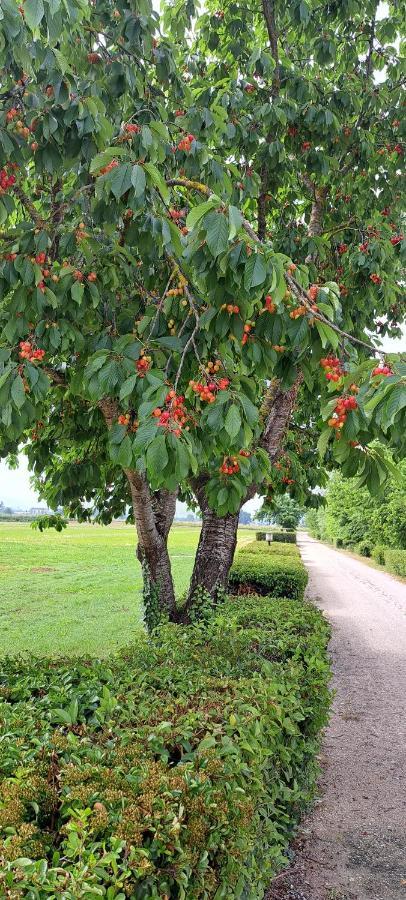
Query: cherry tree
[201,250]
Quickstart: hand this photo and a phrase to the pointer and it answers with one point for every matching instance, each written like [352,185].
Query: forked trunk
[215,553]
[153,514]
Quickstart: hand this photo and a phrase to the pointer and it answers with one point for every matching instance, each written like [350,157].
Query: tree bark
[218,537]
[216,548]
[153,515]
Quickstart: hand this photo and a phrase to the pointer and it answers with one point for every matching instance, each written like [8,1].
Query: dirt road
[355,840]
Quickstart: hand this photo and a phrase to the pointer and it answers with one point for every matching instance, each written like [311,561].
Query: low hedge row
[285,537]
[176,770]
[279,575]
[395,561]
[278,549]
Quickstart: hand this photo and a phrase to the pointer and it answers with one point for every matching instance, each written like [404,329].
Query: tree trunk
[215,554]
[153,515]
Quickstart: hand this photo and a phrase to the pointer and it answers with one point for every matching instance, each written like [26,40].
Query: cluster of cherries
[382,370]
[175,416]
[129,421]
[229,466]
[343,406]
[186,143]
[230,308]
[94,58]
[79,276]
[207,392]
[297,312]
[111,165]
[178,216]
[143,364]
[269,304]
[332,368]
[6,180]
[132,128]
[247,328]
[28,352]
[180,289]
[376,278]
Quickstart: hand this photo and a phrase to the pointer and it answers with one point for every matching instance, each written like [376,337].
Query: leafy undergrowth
[176,770]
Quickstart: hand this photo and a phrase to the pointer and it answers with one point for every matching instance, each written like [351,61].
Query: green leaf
[395,402]
[77,291]
[232,422]
[157,455]
[138,180]
[216,233]
[18,392]
[124,455]
[235,221]
[128,386]
[156,178]
[198,212]
[120,180]
[327,335]
[255,271]
[33,13]
[323,440]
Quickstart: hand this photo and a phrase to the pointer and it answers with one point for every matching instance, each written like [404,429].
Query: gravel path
[353,845]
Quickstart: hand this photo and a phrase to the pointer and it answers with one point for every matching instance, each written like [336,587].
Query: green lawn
[78,591]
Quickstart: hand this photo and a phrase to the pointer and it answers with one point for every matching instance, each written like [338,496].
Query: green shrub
[260,535]
[365,548]
[278,548]
[286,537]
[276,575]
[177,770]
[378,554]
[395,561]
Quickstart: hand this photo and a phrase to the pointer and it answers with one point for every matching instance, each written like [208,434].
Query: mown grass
[78,591]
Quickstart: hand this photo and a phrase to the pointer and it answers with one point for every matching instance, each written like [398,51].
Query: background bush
[364,548]
[278,575]
[278,548]
[378,554]
[395,561]
[285,537]
[176,770]
[352,516]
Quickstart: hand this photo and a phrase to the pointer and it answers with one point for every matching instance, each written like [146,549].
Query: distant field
[78,591]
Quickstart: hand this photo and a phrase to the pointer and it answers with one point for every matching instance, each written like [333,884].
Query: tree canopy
[202,229]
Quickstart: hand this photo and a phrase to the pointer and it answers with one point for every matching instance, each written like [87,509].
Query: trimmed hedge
[268,573]
[278,549]
[178,769]
[395,561]
[365,548]
[378,554]
[285,537]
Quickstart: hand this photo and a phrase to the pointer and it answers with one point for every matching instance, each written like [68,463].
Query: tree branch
[29,206]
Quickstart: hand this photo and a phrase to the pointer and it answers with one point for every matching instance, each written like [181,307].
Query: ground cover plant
[177,770]
[192,206]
